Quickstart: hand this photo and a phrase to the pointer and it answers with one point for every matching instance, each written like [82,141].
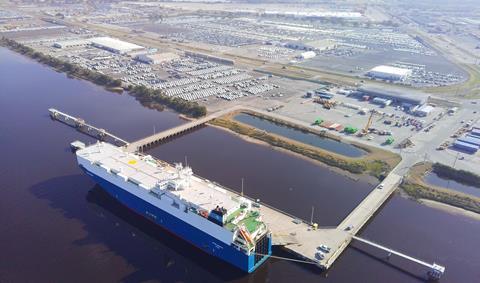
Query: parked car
[324,248]
[319,255]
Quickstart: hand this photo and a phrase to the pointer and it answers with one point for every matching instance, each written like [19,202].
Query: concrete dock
[302,240]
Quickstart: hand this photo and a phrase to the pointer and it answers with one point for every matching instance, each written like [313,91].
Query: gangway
[435,272]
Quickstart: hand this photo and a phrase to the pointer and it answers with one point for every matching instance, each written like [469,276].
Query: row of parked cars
[321,251]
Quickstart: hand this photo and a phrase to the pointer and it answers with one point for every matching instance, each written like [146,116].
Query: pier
[86,128]
[299,237]
[149,141]
[435,271]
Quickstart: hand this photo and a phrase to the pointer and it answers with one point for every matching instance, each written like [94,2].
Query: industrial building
[306,55]
[157,58]
[210,58]
[317,45]
[389,73]
[407,98]
[114,45]
[72,43]
[424,110]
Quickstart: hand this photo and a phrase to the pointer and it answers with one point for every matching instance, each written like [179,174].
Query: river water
[58,226]
[434,179]
[301,136]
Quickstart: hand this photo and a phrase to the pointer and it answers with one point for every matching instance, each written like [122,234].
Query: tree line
[143,94]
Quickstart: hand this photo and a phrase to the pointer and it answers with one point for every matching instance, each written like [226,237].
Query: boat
[212,218]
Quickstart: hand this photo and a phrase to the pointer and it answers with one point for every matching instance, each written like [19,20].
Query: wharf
[297,236]
[303,240]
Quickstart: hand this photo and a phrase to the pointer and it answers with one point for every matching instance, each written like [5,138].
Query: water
[434,179]
[58,226]
[298,135]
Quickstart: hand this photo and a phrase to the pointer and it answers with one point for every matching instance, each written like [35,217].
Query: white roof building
[424,110]
[389,73]
[114,45]
[157,58]
[71,43]
[307,55]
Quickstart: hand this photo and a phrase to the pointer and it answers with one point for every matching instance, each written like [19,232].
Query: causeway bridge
[149,141]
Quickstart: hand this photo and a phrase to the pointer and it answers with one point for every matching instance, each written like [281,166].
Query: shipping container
[326,124]
[470,140]
[325,96]
[475,132]
[378,100]
[334,126]
[473,137]
[338,128]
[465,146]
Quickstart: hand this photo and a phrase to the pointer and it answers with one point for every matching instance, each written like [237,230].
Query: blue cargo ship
[216,220]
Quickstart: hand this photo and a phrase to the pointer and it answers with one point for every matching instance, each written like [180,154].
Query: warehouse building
[389,73]
[407,98]
[317,45]
[115,45]
[424,110]
[71,43]
[157,58]
[212,58]
[306,55]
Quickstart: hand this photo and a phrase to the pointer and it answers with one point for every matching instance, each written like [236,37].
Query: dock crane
[369,123]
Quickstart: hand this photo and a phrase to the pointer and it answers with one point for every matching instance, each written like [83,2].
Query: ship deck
[201,192]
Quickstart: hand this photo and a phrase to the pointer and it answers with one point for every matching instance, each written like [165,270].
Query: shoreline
[450,208]
[155,98]
[77,73]
[415,187]
[372,164]
[354,177]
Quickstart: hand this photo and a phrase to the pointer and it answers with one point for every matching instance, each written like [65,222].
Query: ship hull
[183,230]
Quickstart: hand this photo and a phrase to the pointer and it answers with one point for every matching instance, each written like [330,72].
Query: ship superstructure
[214,219]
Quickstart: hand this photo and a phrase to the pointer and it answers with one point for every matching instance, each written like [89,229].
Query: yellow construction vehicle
[364,131]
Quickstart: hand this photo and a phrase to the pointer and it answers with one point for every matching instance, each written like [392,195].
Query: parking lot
[389,121]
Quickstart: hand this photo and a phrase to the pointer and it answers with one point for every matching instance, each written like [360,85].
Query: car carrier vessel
[220,222]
